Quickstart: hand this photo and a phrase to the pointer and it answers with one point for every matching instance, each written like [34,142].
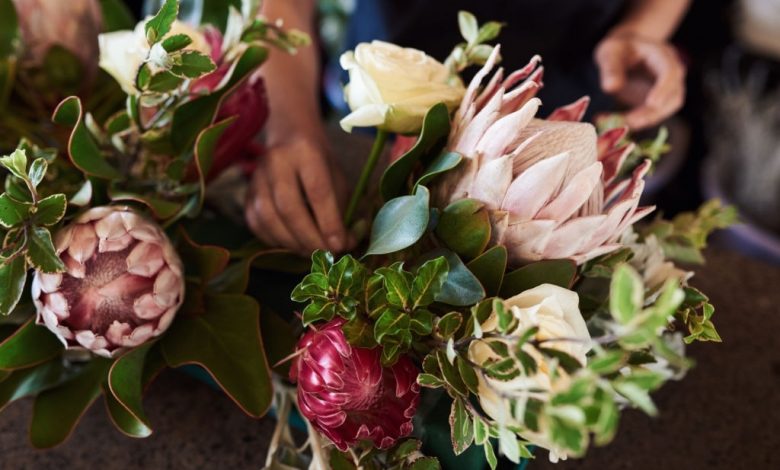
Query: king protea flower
[551,185]
[347,395]
[122,287]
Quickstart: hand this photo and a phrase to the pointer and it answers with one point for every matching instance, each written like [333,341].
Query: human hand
[293,200]
[644,74]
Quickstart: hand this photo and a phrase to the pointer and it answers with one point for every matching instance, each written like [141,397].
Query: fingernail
[335,243]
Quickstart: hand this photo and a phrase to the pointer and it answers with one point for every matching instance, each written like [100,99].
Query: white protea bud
[123,284]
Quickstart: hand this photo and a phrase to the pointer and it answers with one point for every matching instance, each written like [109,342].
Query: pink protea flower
[346,393]
[550,184]
[248,102]
[123,284]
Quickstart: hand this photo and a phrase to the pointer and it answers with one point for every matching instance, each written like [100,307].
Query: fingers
[262,216]
[318,184]
[611,59]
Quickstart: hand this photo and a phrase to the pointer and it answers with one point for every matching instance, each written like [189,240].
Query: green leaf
[489,31]
[226,341]
[430,381]
[56,411]
[205,147]
[124,421]
[445,162]
[559,272]
[41,253]
[163,82]
[422,322]
[626,294]
[608,362]
[125,381]
[202,261]
[428,282]
[425,463]
[37,171]
[31,344]
[468,375]
[391,323]
[16,163]
[400,223]
[9,29]
[116,16]
[340,276]
[464,226]
[176,42]
[481,431]
[451,374]
[489,268]
[462,288]
[358,333]
[469,29]
[461,427]
[318,310]
[193,116]
[436,126]
[27,382]
[162,209]
[13,212]
[83,150]
[321,261]
[160,24]
[397,284]
[636,395]
[50,210]
[449,324]
[192,64]
[490,455]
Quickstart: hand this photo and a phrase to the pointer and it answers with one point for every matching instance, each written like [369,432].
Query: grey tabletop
[724,415]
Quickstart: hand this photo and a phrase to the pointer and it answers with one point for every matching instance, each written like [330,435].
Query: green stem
[365,175]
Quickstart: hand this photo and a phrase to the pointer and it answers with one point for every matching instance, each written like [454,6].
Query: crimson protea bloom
[123,284]
[346,393]
[551,185]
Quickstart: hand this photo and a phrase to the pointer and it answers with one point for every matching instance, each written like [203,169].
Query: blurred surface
[724,415]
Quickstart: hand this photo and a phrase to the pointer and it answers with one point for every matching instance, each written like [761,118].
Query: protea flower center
[346,393]
[122,286]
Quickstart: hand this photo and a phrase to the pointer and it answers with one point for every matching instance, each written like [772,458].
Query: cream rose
[123,52]
[392,88]
[555,311]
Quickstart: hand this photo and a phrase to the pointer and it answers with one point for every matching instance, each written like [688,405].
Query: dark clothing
[563,32]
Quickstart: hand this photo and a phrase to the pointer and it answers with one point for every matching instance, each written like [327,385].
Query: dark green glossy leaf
[163,82]
[321,261]
[429,279]
[226,342]
[31,344]
[50,210]
[425,463]
[445,162]
[398,284]
[464,226]
[400,223]
[13,212]
[202,261]
[560,272]
[461,427]
[160,24]
[56,411]
[436,126]
[41,253]
[462,288]
[468,375]
[449,324]
[27,382]
[205,146]
[422,322]
[176,42]
[124,421]
[118,122]
[82,148]
[358,333]
[161,209]
[13,276]
[391,323]
[489,268]
[125,381]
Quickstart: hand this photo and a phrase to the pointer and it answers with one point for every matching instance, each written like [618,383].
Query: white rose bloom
[392,88]
[123,52]
[555,311]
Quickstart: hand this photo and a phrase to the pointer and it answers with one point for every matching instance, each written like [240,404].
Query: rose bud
[347,395]
[553,186]
[122,287]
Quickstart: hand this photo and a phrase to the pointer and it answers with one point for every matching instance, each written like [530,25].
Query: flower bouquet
[505,293]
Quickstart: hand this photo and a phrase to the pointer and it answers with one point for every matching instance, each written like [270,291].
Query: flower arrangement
[505,279]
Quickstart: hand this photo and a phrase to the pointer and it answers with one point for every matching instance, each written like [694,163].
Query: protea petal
[492,182]
[530,191]
[571,112]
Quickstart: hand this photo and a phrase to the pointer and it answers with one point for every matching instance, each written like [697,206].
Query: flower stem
[365,175]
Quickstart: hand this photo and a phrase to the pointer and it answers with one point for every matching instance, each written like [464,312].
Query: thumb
[612,68]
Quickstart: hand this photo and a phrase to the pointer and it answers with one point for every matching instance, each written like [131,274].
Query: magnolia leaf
[400,223]
[83,150]
[41,253]
[31,344]
[56,411]
[489,268]
[428,281]
[50,210]
[125,382]
[160,24]
[13,275]
[464,226]
[559,272]
[192,64]
[226,341]
[28,382]
[436,126]
[445,162]
[13,212]
[461,288]
[461,427]
[626,294]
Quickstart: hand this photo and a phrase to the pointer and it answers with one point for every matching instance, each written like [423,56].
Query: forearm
[652,19]
[292,81]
